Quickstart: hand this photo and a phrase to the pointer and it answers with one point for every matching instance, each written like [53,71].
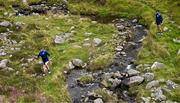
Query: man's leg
[47,66]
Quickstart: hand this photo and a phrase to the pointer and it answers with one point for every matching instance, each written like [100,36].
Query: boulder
[60,39]
[121,27]
[146,99]
[178,52]
[87,34]
[158,95]
[5,24]
[176,41]
[148,76]
[157,65]
[70,65]
[3,63]
[98,100]
[132,72]
[165,29]
[171,85]
[97,41]
[115,82]
[133,80]
[151,84]
[135,21]
[77,62]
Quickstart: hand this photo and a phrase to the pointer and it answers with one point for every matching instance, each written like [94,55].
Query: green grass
[39,33]
[38,30]
[86,79]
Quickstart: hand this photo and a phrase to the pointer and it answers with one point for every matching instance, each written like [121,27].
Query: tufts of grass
[101,62]
[86,79]
[107,96]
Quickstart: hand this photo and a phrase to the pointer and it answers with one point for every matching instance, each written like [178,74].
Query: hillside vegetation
[39,31]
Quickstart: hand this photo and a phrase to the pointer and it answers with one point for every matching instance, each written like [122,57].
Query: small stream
[129,37]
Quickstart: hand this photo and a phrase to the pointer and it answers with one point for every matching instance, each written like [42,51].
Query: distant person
[159,20]
[44,55]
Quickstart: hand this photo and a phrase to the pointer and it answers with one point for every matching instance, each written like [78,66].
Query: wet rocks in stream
[121,74]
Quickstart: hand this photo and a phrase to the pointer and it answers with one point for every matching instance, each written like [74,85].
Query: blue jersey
[159,18]
[44,55]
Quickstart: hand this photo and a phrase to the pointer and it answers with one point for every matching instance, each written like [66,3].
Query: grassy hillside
[39,31]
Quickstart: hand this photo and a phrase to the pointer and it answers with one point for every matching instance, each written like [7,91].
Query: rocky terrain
[96,55]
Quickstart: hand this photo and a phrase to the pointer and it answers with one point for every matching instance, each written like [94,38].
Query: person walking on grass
[159,20]
[44,56]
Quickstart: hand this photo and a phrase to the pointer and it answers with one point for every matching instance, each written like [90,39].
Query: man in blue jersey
[159,20]
[44,56]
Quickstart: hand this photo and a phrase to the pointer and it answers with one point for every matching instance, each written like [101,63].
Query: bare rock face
[135,80]
[158,65]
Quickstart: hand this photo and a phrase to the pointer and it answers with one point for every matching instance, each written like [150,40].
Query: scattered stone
[176,41]
[135,21]
[115,82]
[97,41]
[148,76]
[151,84]
[3,63]
[157,65]
[165,29]
[132,72]
[87,34]
[99,100]
[77,63]
[178,52]
[60,39]
[121,27]
[146,99]
[119,48]
[5,24]
[133,80]
[71,66]
[94,22]
[171,85]
[158,95]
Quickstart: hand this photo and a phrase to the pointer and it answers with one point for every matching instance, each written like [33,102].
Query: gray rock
[70,65]
[146,99]
[5,24]
[148,76]
[132,72]
[115,82]
[60,39]
[165,29]
[134,21]
[178,52]
[133,80]
[158,95]
[97,41]
[87,34]
[176,41]
[171,85]
[99,100]
[77,62]
[151,84]
[157,65]
[119,48]
[121,27]
[3,63]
